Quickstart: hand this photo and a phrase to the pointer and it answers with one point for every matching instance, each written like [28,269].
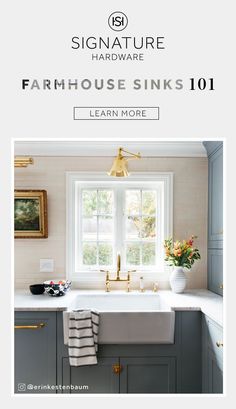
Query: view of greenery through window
[140,227]
[98,227]
[98,221]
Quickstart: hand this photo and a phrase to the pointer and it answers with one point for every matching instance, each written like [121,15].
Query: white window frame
[165,179]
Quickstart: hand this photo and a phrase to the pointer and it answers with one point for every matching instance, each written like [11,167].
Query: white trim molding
[190,148]
[93,279]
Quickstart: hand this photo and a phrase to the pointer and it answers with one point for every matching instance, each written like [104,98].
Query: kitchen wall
[190,211]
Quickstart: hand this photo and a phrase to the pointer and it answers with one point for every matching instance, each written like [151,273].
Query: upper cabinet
[215,220]
[215,216]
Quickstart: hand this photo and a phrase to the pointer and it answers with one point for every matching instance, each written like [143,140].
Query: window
[107,216]
[140,231]
[97,222]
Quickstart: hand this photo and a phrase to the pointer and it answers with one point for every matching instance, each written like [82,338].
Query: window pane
[105,254]
[133,227]
[89,254]
[105,201]
[149,202]
[105,228]
[133,201]
[89,202]
[149,228]
[133,253]
[89,228]
[149,252]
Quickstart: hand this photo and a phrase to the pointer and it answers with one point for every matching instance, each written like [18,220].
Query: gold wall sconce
[120,165]
[22,161]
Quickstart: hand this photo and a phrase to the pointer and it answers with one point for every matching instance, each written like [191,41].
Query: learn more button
[116,113]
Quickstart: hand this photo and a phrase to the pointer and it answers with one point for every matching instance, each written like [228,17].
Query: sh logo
[118,21]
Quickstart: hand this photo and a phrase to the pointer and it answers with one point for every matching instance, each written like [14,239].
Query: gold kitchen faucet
[117,279]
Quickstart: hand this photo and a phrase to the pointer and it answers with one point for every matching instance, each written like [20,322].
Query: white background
[36,43]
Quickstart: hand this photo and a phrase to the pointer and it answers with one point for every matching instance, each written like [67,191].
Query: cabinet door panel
[98,378]
[215,270]
[215,336]
[215,374]
[215,226]
[35,352]
[148,375]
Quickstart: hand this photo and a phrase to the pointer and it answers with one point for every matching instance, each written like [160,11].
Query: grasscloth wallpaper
[49,173]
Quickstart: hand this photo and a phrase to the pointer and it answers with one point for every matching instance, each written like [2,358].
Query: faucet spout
[118,267]
[108,279]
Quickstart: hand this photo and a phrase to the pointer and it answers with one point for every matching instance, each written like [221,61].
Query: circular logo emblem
[118,21]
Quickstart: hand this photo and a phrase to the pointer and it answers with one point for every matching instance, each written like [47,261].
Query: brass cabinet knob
[117,369]
[219,344]
[221,286]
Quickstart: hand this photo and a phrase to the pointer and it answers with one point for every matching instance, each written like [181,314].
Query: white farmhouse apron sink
[130,318]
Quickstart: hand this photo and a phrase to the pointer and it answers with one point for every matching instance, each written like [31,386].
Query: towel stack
[83,337]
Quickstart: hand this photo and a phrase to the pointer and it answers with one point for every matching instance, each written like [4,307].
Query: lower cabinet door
[35,352]
[215,374]
[148,375]
[100,378]
[215,270]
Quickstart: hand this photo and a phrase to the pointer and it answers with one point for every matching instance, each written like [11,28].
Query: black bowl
[37,289]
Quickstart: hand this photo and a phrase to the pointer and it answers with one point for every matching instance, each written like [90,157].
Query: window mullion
[120,242]
[97,230]
[79,218]
[141,216]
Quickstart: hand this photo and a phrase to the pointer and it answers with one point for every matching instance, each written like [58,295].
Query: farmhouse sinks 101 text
[132,318]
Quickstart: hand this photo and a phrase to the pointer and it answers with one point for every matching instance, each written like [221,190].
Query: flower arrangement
[181,253]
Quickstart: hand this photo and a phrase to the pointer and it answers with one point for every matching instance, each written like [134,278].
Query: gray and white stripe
[83,337]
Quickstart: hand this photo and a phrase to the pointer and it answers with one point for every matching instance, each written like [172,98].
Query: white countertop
[198,300]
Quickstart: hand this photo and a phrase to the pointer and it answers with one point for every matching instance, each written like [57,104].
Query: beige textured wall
[190,210]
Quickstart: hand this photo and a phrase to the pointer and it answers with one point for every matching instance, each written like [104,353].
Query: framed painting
[30,214]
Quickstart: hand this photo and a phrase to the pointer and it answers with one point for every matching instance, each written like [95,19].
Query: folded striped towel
[83,337]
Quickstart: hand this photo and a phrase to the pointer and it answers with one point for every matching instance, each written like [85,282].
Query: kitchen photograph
[118,267]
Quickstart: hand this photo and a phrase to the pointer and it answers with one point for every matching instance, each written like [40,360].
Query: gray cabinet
[35,351]
[121,375]
[148,375]
[153,368]
[212,356]
[100,378]
[41,359]
[215,374]
[215,270]
[215,216]
[215,219]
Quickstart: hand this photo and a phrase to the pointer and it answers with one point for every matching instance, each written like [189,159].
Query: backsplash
[190,211]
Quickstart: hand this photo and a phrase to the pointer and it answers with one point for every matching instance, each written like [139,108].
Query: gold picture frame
[30,214]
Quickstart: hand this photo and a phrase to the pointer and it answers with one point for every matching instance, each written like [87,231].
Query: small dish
[57,288]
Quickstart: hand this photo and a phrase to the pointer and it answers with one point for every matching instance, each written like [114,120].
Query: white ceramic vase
[178,280]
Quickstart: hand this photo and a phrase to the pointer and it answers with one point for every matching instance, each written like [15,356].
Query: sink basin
[130,318]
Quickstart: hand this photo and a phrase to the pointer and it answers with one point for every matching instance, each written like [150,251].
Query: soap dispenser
[141,285]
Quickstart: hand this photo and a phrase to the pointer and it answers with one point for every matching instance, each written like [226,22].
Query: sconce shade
[119,167]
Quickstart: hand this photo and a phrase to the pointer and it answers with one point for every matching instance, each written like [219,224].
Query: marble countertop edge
[203,300]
